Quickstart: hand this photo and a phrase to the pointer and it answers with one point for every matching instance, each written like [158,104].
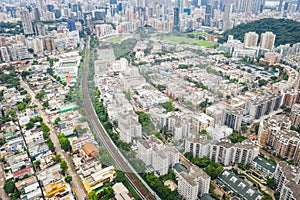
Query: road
[76,184]
[100,132]
[3,195]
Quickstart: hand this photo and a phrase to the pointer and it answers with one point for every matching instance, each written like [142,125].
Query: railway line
[142,188]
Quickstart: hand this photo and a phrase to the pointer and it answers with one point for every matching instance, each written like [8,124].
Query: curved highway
[118,158]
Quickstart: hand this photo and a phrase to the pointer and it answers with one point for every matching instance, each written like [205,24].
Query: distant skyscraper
[39,29]
[50,8]
[228,12]
[37,14]
[280,5]
[227,23]
[57,13]
[207,15]
[205,2]
[176,18]
[250,39]
[298,6]
[71,25]
[195,3]
[257,6]
[267,40]
[26,22]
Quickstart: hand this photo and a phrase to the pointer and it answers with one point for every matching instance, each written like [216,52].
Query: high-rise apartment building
[263,104]
[194,183]
[287,179]
[232,118]
[4,55]
[273,124]
[227,23]
[250,39]
[267,40]
[222,151]
[295,115]
[176,19]
[71,25]
[280,5]
[26,22]
[207,19]
[153,152]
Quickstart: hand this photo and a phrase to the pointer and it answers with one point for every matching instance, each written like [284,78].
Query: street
[3,195]
[76,184]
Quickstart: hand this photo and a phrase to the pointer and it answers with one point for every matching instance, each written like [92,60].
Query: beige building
[295,115]
[267,40]
[250,39]
[287,179]
[194,183]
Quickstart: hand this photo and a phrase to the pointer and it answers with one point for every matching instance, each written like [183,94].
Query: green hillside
[287,31]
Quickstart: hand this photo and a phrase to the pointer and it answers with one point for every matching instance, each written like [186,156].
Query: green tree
[161,87]
[244,128]
[37,164]
[235,137]
[188,155]
[29,125]
[63,166]
[271,183]
[45,128]
[21,106]
[93,195]
[50,145]
[57,158]
[213,170]
[64,142]
[202,162]
[9,186]
[11,112]
[46,104]
[40,95]
[57,120]
[68,179]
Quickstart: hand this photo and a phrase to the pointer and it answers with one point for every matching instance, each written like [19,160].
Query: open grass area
[117,39]
[196,33]
[186,40]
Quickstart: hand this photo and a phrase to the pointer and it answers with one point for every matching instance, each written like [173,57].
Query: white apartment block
[222,151]
[187,187]
[287,179]
[120,65]
[202,122]
[178,123]
[129,126]
[219,131]
[194,183]
[161,157]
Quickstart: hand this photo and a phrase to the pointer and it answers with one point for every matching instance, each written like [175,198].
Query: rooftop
[265,164]
[239,186]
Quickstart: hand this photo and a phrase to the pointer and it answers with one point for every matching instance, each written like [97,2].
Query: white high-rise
[194,183]
[250,39]
[26,22]
[267,40]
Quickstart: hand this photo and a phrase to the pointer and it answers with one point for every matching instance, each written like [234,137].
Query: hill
[287,31]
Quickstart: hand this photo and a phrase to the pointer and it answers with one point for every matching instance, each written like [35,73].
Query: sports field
[117,39]
[196,33]
[186,40]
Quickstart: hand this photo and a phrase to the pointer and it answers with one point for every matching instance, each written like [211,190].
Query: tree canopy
[287,31]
